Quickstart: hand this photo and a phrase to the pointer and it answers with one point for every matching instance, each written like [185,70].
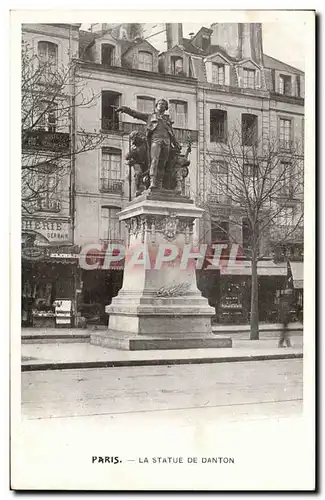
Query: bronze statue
[163,148]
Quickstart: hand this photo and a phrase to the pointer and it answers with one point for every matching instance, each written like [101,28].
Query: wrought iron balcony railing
[43,140]
[285,145]
[111,186]
[111,124]
[48,205]
[220,199]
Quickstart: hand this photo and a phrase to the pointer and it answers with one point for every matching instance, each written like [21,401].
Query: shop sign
[52,230]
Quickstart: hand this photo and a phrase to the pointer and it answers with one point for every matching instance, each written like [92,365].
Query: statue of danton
[158,152]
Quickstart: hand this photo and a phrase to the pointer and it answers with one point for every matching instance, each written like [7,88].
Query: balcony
[111,124]
[114,186]
[285,145]
[287,232]
[43,140]
[48,205]
[111,242]
[182,135]
[218,199]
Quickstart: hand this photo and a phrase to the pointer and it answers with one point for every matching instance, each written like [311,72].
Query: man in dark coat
[160,136]
[284,316]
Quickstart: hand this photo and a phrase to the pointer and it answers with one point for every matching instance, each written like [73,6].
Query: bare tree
[50,96]
[258,181]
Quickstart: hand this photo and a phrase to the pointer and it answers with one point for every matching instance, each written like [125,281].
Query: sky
[280,40]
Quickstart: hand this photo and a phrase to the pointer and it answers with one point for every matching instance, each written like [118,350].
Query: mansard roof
[85,39]
[127,45]
[272,63]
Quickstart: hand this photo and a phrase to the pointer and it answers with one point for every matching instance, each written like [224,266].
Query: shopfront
[296,283]
[49,273]
[228,289]
[46,283]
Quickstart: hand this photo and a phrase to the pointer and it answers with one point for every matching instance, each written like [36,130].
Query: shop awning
[297,271]
[244,268]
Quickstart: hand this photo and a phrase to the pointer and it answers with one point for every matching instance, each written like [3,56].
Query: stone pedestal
[159,305]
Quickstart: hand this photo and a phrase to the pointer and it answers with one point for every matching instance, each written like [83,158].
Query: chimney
[239,40]
[228,37]
[252,47]
[174,34]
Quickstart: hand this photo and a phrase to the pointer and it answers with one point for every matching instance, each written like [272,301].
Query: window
[286,216]
[219,180]
[249,78]
[250,170]
[48,56]
[110,224]
[247,235]
[46,187]
[145,61]
[110,175]
[178,113]
[249,129]
[285,134]
[285,84]
[107,54]
[219,231]
[177,65]
[146,104]
[286,176]
[47,112]
[218,125]
[218,73]
[110,101]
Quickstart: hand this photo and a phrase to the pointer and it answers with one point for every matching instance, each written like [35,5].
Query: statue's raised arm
[160,137]
[133,112]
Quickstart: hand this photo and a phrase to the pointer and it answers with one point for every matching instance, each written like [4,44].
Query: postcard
[162,276]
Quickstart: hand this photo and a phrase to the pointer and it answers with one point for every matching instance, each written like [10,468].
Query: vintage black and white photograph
[163,268]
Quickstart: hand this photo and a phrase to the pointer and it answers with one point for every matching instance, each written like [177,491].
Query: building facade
[214,82]
[49,260]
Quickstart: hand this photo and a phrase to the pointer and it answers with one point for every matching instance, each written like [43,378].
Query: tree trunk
[254,333]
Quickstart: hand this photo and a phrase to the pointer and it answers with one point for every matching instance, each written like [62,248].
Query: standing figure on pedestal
[160,137]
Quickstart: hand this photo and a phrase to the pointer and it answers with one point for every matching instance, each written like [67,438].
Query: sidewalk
[59,356]
[83,335]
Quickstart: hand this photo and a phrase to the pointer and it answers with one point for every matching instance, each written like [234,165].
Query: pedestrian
[284,314]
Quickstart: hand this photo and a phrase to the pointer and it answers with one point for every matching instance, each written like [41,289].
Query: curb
[74,365]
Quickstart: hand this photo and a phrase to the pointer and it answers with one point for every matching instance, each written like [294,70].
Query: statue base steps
[114,339]
[159,307]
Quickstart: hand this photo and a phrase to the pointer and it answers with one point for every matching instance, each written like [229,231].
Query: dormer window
[107,54]
[285,86]
[145,61]
[177,65]
[249,78]
[218,73]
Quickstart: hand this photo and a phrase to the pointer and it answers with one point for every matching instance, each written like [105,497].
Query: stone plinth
[159,305]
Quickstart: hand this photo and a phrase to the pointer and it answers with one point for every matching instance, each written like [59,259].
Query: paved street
[229,390]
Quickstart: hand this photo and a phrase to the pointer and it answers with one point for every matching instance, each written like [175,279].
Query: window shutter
[240,73]
[302,86]
[208,67]
[227,74]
